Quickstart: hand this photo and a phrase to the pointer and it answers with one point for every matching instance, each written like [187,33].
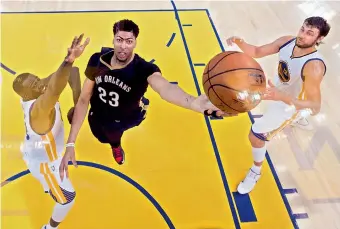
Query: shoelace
[118,152]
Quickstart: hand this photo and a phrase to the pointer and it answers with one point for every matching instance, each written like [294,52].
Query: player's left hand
[203,105]
[76,48]
[273,93]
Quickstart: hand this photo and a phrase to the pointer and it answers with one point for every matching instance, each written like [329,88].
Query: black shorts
[111,132]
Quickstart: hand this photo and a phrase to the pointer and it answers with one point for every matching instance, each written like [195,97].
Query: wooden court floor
[182,169]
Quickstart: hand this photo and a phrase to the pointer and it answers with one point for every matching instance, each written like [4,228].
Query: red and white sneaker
[118,154]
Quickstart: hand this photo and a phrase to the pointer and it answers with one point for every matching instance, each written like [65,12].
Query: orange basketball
[233,81]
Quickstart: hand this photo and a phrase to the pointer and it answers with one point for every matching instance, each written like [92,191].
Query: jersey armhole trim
[303,66]
[288,42]
[50,129]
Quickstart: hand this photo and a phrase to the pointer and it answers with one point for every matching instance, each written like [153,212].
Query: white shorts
[277,116]
[48,175]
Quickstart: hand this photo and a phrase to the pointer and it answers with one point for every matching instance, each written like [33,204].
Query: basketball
[234,81]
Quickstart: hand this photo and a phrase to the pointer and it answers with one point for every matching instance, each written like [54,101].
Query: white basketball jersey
[289,77]
[47,147]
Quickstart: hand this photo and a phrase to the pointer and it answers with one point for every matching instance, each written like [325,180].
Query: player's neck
[116,64]
[303,51]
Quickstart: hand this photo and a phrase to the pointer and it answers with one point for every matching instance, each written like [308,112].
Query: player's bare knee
[256,141]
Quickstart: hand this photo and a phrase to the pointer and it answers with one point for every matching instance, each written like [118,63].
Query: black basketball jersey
[117,92]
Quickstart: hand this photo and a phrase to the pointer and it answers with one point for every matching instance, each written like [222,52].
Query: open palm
[76,48]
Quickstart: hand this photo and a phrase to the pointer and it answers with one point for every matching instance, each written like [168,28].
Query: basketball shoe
[248,184]
[118,154]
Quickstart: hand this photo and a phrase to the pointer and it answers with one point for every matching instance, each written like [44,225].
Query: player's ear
[319,40]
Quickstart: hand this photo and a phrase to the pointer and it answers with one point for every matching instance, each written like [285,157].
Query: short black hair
[127,26]
[319,23]
[17,83]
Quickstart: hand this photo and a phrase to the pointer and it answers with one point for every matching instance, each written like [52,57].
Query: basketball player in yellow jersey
[295,91]
[44,141]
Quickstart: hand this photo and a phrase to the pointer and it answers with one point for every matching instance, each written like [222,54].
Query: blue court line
[244,207]
[171,39]
[199,64]
[212,138]
[301,216]
[187,25]
[98,11]
[278,183]
[218,118]
[114,172]
[290,191]
[257,116]
[7,69]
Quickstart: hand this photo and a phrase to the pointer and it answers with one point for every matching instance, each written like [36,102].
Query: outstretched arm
[73,81]
[57,82]
[313,74]
[310,97]
[80,110]
[46,102]
[75,84]
[259,51]
[172,93]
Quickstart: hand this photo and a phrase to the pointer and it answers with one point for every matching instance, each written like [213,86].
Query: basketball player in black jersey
[116,82]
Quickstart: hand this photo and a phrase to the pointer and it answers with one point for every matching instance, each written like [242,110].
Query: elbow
[316,111]
[167,92]
[257,53]
[163,95]
[164,91]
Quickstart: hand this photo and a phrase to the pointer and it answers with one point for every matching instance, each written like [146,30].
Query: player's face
[307,37]
[33,87]
[124,43]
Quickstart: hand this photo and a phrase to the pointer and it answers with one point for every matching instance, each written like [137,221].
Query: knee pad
[63,196]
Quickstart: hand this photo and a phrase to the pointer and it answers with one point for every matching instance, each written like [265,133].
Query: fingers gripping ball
[234,82]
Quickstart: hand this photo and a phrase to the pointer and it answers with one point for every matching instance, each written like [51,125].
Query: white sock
[60,212]
[256,169]
[259,155]
[48,226]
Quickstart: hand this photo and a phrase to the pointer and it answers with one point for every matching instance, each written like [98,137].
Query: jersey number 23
[113,97]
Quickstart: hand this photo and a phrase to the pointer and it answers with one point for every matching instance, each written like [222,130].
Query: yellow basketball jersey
[289,77]
[47,147]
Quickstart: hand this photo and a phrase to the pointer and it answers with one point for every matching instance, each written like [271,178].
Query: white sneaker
[44,227]
[248,184]
[302,123]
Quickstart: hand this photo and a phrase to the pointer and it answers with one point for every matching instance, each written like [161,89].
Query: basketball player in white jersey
[295,91]
[44,141]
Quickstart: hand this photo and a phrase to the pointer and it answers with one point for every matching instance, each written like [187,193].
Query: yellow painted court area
[181,170]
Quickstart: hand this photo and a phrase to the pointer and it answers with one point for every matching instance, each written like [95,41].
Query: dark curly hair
[127,26]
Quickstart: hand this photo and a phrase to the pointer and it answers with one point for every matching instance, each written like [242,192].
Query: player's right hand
[76,48]
[69,156]
[233,39]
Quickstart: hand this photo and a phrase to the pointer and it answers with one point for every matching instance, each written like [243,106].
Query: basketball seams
[232,70]
[212,88]
[228,54]
[244,73]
